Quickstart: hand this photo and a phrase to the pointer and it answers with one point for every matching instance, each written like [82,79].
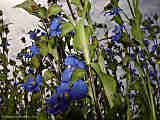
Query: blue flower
[32,35]
[79,90]
[28,82]
[141,54]
[152,73]
[74,62]
[132,55]
[112,11]
[154,47]
[57,108]
[34,50]
[116,28]
[66,75]
[55,27]
[33,85]
[26,55]
[60,101]
[133,71]
[108,51]
[38,31]
[117,36]
[146,42]
[39,80]
[43,34]
[64,87]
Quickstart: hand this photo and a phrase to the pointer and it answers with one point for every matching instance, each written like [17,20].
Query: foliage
[67,74]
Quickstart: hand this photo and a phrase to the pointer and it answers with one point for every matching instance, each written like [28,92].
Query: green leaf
[109,83]
[79,12]
[81,41]
[77,74]
[136,31]
[67,27]
[42,12]
[53,10]
[29,5]
[42,116]
[157,62]
[76,2]
[35,61]
[101,62]
[43,49]
[52,48]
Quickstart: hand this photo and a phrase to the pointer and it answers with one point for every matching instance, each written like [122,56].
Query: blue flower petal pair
[34,50]
[113,11]
[30,86]
[74,62]
[55,27]
[79,90]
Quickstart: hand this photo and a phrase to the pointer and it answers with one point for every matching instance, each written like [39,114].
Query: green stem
[97,107]
[127,95]
[151,98]
[145,88]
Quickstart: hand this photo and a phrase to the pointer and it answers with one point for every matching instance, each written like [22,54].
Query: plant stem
[151,97]
[99,116]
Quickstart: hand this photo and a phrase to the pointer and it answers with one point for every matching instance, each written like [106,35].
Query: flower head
[79,90]
[32,35]
[66,75]
[61,89]
[34,50]
[33,85]
[113,11]
[74,62]
[55,27]
[117,36]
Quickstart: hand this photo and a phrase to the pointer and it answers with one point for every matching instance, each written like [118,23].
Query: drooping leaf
[53,10]
[109,83]
[81,40]
[43,49]
[35,61]
[77,74]
[29,5]
[101,62]
[67,27]
[76,2]
[136,31]
[42,12]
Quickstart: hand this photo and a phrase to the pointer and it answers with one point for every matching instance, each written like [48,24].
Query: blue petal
[79,90]
[71,60]
[62,88]
[116,28]
[66,75]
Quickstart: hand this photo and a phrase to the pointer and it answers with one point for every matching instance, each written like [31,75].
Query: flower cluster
[34,51]
[60,101]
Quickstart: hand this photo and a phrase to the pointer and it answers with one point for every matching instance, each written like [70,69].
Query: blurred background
[22,22]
